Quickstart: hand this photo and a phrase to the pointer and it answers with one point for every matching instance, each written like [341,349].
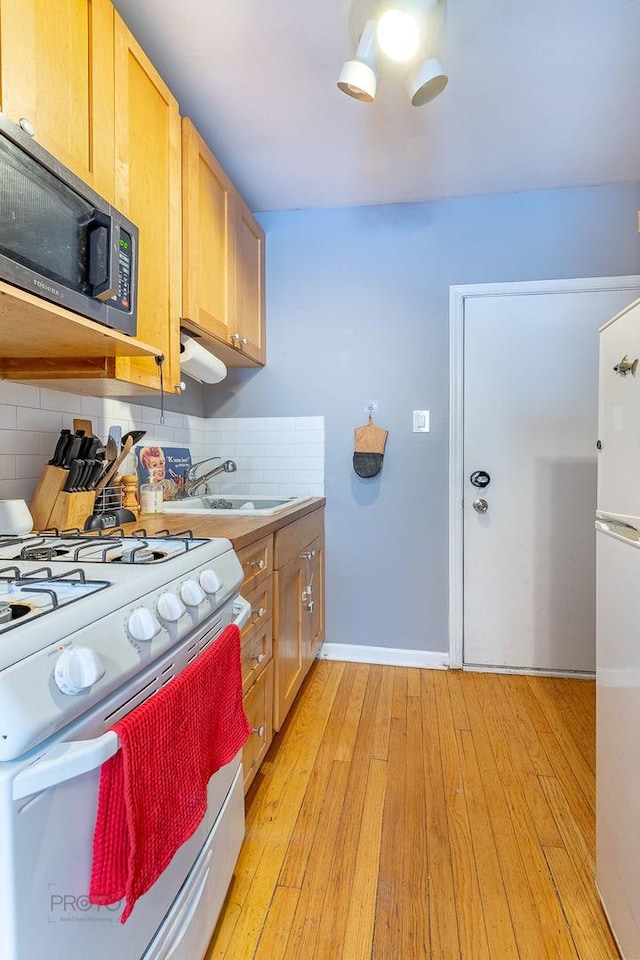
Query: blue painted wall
[358,310]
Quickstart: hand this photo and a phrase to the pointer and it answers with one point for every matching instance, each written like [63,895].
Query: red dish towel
[153,791]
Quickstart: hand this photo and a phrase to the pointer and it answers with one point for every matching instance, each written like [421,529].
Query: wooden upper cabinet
[57,76]
[207,211]
[148,178]
[250,292]
[223,265]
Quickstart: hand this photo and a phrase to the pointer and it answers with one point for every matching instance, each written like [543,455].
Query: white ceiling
[542,93]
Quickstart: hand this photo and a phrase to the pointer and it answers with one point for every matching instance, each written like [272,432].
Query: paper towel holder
[199,362]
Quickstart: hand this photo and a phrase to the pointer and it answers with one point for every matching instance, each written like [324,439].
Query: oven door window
[45,224]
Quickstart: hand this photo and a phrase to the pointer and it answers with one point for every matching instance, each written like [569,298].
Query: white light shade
[358,77]
[398,35]
[426,81]
[358,80]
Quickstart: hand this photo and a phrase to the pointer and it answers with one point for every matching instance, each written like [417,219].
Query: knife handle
[74,473]
[56,459]
[72,451]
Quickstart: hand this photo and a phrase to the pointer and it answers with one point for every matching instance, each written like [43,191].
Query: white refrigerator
[618,629]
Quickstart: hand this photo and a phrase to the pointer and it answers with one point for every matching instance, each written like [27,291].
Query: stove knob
[142,625]
[170,607]
[76,670]
[192,593]
[210,581]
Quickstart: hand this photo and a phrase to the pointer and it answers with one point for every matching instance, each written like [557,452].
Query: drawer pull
[259,730]
[258,657]
[257,563]
[258,613]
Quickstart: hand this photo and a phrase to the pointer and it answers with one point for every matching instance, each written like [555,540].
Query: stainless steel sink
[231,505]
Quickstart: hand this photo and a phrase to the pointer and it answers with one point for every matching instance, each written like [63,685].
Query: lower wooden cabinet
[258,706]
[298,606]
[284,583]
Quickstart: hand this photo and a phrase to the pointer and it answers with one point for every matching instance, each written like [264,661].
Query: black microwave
[60,240]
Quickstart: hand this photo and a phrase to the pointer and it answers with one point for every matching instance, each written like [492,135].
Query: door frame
[458,295]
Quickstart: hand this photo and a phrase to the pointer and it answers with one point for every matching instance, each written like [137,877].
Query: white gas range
[91,625]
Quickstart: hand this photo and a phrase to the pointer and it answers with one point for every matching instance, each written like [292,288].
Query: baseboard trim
[524,672]
[389,656]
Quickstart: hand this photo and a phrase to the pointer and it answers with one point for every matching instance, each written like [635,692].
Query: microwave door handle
[104,254]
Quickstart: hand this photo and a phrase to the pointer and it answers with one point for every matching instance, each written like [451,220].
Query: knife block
[51,482]
[72,509]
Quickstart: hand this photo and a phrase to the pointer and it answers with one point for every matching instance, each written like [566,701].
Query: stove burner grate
[43,592]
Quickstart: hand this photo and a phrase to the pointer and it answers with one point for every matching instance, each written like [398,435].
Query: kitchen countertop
[240,530]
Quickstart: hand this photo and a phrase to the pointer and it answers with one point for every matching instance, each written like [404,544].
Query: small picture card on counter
[166,465]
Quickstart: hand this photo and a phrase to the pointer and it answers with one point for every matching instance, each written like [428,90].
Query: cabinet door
[207,210]
[148,165]
[289,637]
[249,283]
[57,74]
[315,623]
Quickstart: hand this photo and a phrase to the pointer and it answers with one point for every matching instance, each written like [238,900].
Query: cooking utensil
[96,473]
[71,451]
[74,472]
[115,432]
[111,450]
[89,447]
[128,441]
[85,474]
[56,459]
[85,425]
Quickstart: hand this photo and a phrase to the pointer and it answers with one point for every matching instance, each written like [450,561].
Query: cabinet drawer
[257,562]
[261,600]
[258,706]
[256,652]
[291,540]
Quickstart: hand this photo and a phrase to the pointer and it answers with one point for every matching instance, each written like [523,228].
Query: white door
[530,422]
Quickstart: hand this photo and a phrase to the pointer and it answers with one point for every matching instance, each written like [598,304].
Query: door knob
[480,505]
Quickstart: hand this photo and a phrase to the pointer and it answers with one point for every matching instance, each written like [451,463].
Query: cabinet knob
[259,730]
[310,605]
[308,555]
[258,613]
[27,126]
[238,340]
[258,657]
[258,563]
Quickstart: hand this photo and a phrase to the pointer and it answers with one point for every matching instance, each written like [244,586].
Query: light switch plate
[421,421]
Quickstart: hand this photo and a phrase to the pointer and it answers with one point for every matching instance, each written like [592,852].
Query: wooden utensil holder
[51,482]
[72,509]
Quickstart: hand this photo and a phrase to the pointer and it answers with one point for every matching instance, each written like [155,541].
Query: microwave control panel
[122,300]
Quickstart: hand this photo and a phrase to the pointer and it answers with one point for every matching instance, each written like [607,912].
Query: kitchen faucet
[193,482]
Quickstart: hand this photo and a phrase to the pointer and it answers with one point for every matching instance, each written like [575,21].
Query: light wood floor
[406,814]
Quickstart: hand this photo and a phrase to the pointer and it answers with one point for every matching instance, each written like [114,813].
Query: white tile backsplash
[275,455]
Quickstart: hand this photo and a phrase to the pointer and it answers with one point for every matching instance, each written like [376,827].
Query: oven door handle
[242,612]
[64,762]
[75,757]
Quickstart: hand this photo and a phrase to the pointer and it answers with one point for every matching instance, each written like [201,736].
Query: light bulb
[398,35]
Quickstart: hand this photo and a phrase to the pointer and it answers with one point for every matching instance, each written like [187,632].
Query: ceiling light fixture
[426,81]
[358,77]
[404,30]
[398,35]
